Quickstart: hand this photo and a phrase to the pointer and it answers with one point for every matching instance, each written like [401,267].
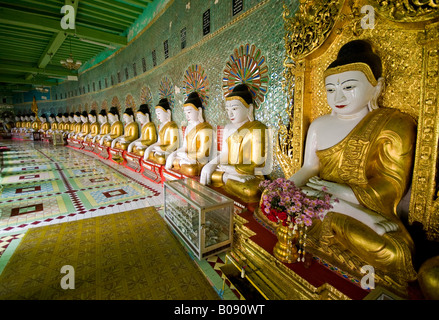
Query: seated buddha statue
[53,124]
[168,139]
[72,124]
[35,123]
[363,155]
[78,125]
[65,123]
[197,141]
[44,124]
[148,133]
[238,167]
[116,129]
[58,118]
[22,123]
[17,124]
[104,126]
[130,131]
[27,122]
[94,126]
[85,126]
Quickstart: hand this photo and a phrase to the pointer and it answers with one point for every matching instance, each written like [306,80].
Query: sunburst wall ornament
[146,96]
[115,103]
[247,65]
[129,102]
[195,80]
[166,90]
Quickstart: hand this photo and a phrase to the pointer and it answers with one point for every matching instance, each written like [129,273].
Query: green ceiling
[33,42]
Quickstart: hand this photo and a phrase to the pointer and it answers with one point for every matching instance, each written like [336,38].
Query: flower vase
[285,249]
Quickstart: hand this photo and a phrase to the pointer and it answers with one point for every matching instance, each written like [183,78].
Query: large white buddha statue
[197,141]
[363,155]
[238,167]
[148,132]
[168,140]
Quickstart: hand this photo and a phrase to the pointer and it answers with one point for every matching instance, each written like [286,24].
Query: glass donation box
[202,217]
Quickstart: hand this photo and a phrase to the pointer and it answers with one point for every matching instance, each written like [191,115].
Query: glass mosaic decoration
[247,65]
[166,90]
[146,96]
[129,102]
[195,80]
[115,103]
[104,105]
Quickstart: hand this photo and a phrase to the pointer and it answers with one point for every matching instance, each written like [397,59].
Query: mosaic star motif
[247,65]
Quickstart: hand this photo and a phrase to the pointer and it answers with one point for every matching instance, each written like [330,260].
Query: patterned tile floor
[44,184]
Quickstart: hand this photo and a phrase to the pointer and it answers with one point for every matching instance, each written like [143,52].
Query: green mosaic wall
[260,23]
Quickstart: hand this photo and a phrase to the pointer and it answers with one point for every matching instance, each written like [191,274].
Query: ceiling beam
[11,66]
[24,81]
[35,21]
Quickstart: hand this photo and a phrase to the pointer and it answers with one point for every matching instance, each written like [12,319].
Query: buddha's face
[58,119]
[32,118]
[190,113]
[71,119]
[26,118]
[84,118]
[112,118]
[77,118]
[141,117]
[236,111]
[102,119]
[64,119]
[127,118]
[91,118]
[43,119]
[162,115]
[348,92]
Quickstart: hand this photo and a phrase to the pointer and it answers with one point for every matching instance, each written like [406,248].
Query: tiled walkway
[44,184]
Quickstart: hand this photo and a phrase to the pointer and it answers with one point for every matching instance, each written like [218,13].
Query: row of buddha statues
[359,153]
[245,139]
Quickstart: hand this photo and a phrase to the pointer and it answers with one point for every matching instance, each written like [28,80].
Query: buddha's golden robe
[18,124]
[246,152]
[168,141]
[28,124]
[36,125]
[131,133]
[148,136]
[116,130]
[94,131]
[72,126]
[104,129]
[45,126]
[375,159]
[85,130]
[54,126]
[199,144]
[78,127]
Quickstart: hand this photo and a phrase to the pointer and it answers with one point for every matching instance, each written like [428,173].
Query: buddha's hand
[226,168]
[170,160]
[237,177]
[206,173]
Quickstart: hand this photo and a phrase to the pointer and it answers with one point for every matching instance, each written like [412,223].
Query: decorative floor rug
[128,255]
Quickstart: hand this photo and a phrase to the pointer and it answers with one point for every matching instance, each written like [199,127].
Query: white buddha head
[58,118]
[102,117]
[353,81]
[163,111]
[43,118]
[52,118]
[77,117]
[71,117]
[65,117]
[239,105]
[193,108]
[142,115]
[113,115]
[92,116]
[84,117]
[128,116]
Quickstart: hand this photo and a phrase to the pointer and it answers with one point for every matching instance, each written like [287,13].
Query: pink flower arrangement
[283,202]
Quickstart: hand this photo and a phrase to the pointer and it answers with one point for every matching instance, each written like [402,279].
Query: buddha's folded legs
[247,191]
[390,253]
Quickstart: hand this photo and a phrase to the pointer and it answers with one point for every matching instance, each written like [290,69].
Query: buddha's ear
[373,103]
[251,115]
[169,114]
[200,115]
[147,118]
